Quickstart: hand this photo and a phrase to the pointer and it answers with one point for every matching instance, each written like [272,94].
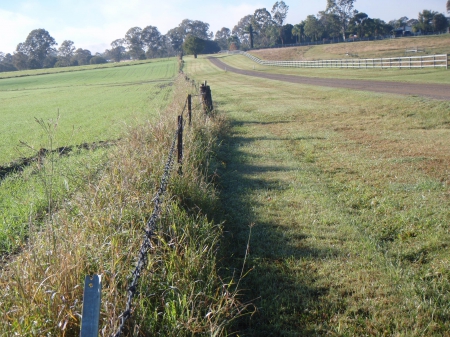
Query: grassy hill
[370,49]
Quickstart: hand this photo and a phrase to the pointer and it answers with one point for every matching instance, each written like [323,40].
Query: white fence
[409,62]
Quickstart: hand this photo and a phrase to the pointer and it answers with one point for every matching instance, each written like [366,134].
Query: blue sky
[93,24]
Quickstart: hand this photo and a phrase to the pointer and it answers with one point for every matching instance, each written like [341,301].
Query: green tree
[425,19]
[222,37]
[97,59]
[82,56]
[298,31]
[331,24]
[439,23]
[134,43]
[38,45]
[193,45]
[152,40]
[65,53]
[344,10]
[279,13]
[262,23]
[358,23]
[313,28]
[240,31]
[249,30]
[20,60]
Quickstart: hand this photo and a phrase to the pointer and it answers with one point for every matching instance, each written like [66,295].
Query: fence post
[180,145]
[205,92]
[91,306]
[190,109]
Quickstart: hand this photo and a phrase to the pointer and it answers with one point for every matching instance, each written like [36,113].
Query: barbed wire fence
[92,290]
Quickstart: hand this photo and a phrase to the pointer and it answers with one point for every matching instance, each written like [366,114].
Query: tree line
[263,28]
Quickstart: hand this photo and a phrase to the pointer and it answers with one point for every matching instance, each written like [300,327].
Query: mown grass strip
[347,194]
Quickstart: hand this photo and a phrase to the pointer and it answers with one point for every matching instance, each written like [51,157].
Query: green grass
[348,197]
[405,75]
[98,228]
[46,71]
[94,105]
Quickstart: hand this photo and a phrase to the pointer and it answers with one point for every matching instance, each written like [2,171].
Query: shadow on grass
[279,276]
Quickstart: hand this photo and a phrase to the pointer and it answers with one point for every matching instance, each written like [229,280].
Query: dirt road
[437,91]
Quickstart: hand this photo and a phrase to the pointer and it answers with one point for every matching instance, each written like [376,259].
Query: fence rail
[408,62]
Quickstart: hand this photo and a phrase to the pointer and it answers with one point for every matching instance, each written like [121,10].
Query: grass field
[93,104]
[99,226]
[415,76]
[346,198]
[428,45]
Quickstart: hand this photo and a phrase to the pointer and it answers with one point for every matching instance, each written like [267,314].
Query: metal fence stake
[91,306]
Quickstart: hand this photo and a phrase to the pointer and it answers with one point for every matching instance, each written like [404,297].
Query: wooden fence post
[205,92]
[180,145]
[190,108]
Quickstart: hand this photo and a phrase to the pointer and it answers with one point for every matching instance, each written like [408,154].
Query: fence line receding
[407,62]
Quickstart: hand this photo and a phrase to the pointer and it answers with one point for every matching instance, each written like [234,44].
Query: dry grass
[99,230]
[370,49]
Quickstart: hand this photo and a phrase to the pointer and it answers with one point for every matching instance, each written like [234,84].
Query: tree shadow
[286,301]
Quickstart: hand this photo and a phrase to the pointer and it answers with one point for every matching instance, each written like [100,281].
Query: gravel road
[437,91]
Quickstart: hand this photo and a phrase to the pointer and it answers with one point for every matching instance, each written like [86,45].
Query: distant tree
[279,13]
[313,28]
[331,24]
[262,23]
[210,47]
[448,6]
[251,33]
[20,61]
[222,37]
[344,10]
[50,61]
[193,45]
[38,45]
[98,60]
[175,38]
[82,56]
[358,23]
[6,63]
[134,43]
[65,53]
[195,28]
[298,31]
[425,19]
[240,31]
[439,23]
[152,41]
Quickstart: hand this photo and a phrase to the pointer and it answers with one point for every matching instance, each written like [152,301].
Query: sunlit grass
[99,229]
[93,105]
[349,196]
[440,75]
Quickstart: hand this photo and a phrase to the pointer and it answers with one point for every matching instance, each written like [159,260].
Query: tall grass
[99,229]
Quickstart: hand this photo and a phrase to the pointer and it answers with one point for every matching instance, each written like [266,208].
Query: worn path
[437,91]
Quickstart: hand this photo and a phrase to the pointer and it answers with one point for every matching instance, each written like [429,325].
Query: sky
[94,24]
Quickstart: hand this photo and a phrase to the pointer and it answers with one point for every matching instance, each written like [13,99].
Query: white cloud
[15,28]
